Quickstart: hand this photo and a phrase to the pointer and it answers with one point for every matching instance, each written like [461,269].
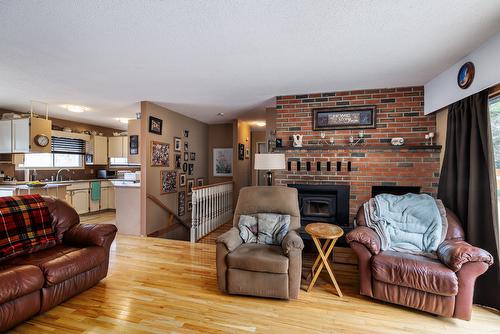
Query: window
[52,160]
[66,153]
[494,107]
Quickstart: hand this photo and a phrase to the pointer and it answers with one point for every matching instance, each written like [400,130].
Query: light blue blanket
[411,223]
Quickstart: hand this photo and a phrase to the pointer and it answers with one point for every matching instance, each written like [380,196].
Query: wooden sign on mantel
[336,118]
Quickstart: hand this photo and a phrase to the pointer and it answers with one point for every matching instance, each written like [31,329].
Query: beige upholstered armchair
[258,269]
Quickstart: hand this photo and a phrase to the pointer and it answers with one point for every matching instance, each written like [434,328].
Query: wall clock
[42,140]
[465,75]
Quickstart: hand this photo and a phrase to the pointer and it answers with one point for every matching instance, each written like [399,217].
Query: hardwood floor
[165,286]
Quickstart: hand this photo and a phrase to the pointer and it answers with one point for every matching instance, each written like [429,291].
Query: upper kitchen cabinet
[118,147]
[25,135]
[97,147]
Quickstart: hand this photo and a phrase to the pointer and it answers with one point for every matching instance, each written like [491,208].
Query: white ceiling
[204,57]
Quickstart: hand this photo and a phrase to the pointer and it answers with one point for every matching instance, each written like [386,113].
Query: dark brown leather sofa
[34,283]
[444,286]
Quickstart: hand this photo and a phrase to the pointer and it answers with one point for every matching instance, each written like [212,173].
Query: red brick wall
[399,114]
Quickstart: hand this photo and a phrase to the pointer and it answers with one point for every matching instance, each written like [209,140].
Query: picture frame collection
[174,180]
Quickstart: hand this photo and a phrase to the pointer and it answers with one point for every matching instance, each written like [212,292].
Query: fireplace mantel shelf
[359,147]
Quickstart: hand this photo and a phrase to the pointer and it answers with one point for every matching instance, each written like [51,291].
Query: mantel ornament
[297,140]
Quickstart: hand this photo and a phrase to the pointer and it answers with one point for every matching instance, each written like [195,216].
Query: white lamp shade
[269,161]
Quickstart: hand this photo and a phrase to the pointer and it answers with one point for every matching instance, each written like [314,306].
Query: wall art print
[168,179]
[159,154]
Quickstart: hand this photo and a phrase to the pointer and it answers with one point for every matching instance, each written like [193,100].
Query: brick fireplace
[399,113]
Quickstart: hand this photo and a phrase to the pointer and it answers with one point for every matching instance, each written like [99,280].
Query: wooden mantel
[360,147]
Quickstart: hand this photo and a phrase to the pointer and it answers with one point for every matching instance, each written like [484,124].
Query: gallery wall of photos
[178,177]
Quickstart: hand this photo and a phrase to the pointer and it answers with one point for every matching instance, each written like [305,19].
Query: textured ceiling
[200,58]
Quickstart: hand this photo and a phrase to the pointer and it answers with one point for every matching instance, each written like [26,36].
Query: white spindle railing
[212,207]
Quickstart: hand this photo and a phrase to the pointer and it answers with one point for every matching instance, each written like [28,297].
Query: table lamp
[269,162]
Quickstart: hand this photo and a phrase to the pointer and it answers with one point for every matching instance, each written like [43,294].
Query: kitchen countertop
[53,184]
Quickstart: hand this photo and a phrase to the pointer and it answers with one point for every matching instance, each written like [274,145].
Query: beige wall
[241,168]
[174,124]
[257,137]
[219,136]
[441,127]
[271,124]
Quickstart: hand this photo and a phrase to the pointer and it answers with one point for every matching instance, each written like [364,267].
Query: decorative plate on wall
[465,75]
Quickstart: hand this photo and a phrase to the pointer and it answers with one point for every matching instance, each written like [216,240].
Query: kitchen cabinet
[6,136]
[80,200]
[98,148]
[18,135]
[118,147]
[107,195]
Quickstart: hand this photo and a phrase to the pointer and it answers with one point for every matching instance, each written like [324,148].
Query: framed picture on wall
[182,179]
[200,182]
[155,125]
[186,146]
[178,162]
[181,203]
[193,156]
[190,205]
[168,179]
[185,167]
[190,185]
[223,162]
[159,154]
[186,133]
[241,151]
[351,117]
[134,145]
[186,156]
[177,144]
[190,169]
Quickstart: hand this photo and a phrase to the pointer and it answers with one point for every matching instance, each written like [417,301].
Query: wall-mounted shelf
[360,147]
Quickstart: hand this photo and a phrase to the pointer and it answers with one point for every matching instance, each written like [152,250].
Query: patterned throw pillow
[248,228]
[25,225]
[272,228]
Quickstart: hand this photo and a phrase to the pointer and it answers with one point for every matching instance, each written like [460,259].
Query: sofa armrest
[231,239]
[455,253]
[365,236]
[292,241]
[90,235]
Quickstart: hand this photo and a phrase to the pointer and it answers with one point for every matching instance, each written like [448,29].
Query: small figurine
[297,140]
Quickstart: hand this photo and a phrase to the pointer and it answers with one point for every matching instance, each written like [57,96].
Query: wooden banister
[171,216]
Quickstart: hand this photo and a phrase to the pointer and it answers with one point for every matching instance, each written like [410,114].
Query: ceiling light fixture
[220,114]
[75,108]
[260,123]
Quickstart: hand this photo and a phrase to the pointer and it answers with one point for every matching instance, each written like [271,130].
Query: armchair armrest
[365,236]
[455,253]
[292,241]
[90,235]
[231,239]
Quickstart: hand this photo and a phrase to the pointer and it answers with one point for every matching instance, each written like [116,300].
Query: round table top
[324,230]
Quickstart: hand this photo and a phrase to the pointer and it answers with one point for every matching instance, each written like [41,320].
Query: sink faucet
[59,171]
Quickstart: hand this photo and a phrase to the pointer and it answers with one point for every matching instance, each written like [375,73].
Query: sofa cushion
[258,257]
[272,228]
[248,228]
[25,225]
[62,262]
[19,281]
[414,271]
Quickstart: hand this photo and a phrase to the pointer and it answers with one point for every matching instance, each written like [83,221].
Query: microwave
[106,174]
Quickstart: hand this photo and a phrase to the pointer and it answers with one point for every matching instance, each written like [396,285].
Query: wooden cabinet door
[104,198]
[21,135]
[100,150]
[115,147]
[125,148]
[81,201]
[5,136]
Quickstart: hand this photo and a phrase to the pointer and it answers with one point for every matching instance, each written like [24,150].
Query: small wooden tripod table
[330,233]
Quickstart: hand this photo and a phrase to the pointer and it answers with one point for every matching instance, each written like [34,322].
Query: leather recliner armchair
[259,269]
[443,286]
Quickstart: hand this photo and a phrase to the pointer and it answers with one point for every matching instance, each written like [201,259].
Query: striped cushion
[25,225]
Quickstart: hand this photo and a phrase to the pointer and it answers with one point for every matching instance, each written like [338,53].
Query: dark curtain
[466,185]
